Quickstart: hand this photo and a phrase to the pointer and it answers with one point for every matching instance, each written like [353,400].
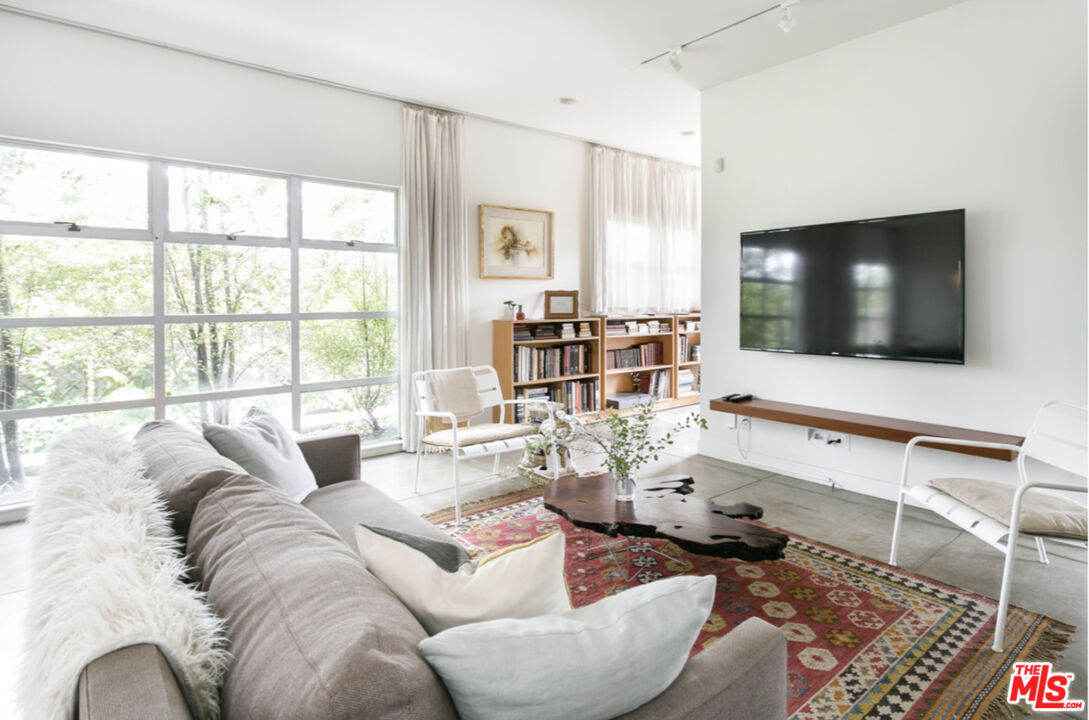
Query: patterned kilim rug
[865,640]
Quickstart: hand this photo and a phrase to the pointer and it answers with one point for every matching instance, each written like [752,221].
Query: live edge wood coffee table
[663,508]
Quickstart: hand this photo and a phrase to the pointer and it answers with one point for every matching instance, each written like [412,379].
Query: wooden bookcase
[504,345]
[609,379]
[688,354]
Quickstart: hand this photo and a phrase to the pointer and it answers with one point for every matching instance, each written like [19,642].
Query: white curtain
[436,250]
[644,233]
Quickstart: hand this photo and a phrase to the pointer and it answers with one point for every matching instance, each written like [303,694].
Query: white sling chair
[455,396]
[992,511]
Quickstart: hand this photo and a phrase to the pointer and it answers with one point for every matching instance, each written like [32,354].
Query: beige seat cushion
[475,434]
[1042,512]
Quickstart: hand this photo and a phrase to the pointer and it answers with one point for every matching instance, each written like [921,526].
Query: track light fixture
[786,17]
[675,59]
[786,23]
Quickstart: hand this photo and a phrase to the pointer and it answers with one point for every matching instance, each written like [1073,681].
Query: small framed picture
[515,243]
[561,304]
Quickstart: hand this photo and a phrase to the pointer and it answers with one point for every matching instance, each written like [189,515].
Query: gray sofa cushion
[346,503]
[313,634]
[184,465]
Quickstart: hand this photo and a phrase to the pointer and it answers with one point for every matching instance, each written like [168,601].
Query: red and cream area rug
[865,640]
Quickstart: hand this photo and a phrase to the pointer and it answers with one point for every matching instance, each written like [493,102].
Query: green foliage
[626,440]
[78,276]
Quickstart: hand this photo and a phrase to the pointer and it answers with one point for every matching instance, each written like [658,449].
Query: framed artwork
[561,304]
[515,243]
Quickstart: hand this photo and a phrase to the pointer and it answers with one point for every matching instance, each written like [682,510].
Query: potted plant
[511,308]
[625,440]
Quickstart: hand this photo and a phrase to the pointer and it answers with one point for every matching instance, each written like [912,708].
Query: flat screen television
[890,288]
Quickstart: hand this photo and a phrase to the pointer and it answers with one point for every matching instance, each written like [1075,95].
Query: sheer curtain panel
[436,251]
[645,234]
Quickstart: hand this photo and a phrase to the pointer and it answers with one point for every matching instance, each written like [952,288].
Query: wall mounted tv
[890,288]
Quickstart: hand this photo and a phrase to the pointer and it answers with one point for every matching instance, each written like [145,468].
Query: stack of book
[521,332]
[686,383]
[632,327]
[584,330]
[615,327]
[567,330]
[545,332]
[636,356]
[623,401]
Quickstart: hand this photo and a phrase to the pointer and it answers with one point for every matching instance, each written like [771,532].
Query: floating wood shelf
[874,426]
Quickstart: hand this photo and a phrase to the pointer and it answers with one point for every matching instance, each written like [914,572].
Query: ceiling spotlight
[786,16]
[675,59]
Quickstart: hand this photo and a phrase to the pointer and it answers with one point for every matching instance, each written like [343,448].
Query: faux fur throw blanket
[105,574]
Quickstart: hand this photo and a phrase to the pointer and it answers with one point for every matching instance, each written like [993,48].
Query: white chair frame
[487,385]
[1041,445]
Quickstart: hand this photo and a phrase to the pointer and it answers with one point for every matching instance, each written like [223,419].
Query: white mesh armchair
[454,397]
[999,513]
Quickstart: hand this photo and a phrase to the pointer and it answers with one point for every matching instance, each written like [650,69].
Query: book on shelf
[542,363]
[521,332]
[686,383]
[615,327]
[655,383]
[693,353]
[636,356]
[584,330]
[574,396]
[545,331]
[567,330]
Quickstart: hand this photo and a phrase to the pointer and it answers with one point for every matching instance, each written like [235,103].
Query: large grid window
[133,289]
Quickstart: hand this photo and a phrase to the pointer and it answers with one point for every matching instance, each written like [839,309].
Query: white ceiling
[509,60]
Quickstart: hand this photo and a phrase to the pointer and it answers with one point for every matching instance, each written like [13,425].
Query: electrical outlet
[731,421]
[838,440]
[828,439]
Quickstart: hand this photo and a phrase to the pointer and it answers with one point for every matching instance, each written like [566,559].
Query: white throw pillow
[597,662]
[516,582]
[264,447]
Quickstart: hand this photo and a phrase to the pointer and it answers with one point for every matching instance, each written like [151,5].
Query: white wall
[66,85]
[520,168]
[980,106]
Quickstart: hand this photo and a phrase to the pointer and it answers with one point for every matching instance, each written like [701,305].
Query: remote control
[740,398]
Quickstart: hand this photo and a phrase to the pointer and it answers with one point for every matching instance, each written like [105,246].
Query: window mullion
[157,209]
[294,234]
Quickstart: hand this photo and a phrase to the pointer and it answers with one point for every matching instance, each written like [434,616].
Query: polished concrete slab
[857,523]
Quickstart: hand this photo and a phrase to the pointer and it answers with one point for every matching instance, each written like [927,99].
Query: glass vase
[625,487]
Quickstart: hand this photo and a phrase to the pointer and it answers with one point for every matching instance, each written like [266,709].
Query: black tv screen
[889,288]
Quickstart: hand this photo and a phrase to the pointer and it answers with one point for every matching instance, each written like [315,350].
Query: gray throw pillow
[447,555]
[265,448]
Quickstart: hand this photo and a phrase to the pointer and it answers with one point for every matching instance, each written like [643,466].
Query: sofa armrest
[334,458]
[133,683]
[743,675]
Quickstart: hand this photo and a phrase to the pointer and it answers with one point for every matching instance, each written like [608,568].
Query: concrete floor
[857,523]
